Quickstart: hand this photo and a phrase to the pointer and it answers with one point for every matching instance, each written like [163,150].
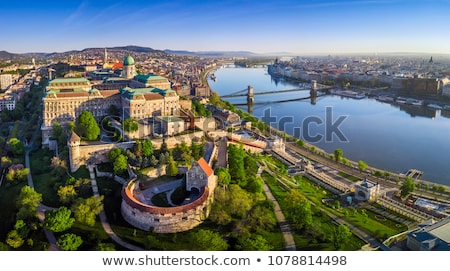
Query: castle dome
[128,60]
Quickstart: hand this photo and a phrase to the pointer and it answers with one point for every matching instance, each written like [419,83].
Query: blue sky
[300,27]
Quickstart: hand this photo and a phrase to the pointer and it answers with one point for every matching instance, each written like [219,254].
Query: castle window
[133,213]
[184,218]
[156,220]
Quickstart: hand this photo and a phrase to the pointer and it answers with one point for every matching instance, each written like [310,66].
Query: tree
[69,242]
[223,176]
[249,242]
[57,130]
[87,126]
[14,239]
[407,187]
[86,210]
[120,164]
[362,165]
[254,185]
[172,168]
[59,220]
[147,148]
[259,220]
[16,146]
[236,163]
[130,125]
[340,236]
[21,174]
[364,216]
[70,127]
[298,209]
[28,201]
[114,153]
[232,202]
[215,98]
[105,247]
[207,240]
[5,161]
[338,153]
[67,193]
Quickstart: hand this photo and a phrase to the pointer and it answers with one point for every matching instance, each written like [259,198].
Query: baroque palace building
[140,96]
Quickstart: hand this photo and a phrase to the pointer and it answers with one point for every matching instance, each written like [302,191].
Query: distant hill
[212,53]
[7,55]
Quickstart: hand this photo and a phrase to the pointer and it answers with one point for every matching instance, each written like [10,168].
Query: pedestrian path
[103,219]
[284,225]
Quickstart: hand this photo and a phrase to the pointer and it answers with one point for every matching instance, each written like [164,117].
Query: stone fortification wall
[164,219]
[97,153]
[173,141]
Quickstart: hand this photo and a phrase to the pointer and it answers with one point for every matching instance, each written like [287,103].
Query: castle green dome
[128,61]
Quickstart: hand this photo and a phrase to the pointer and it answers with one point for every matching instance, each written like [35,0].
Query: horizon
[296,27]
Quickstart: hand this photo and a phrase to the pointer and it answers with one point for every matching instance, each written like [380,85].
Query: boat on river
[434,106]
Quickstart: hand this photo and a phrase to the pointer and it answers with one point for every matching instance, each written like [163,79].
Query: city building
[367,190]
[66,98]
[5,81]
[7,101]
[430,236]
[150,80]
[171,125]
[129,69]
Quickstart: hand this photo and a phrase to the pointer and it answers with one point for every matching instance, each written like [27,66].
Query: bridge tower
[313,91]
[250,95]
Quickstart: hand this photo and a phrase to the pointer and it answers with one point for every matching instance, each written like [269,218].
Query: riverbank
[362,139]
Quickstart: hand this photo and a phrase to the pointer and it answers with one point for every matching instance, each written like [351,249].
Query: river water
[383,135]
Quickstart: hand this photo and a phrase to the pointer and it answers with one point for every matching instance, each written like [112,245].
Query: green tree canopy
[228,203]
[147,148]
[362,165]
[87,126]
[298,209]
[86,210]
[16,146]
[67,193]
[236,163]
[59,220]
[223,176]
[340,236]
[249,242]
[172,168]
[14,239]
[407,187]
[207,240]
[120,164]
[130,125]
[114,153]
[69,242]
[28,201]
[338,153]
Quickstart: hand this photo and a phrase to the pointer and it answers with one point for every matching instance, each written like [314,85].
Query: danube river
[383,135]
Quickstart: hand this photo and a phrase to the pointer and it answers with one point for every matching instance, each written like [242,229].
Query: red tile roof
[205,167]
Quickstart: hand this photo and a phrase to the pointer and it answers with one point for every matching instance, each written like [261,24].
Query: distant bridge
[243,92]
[313,88]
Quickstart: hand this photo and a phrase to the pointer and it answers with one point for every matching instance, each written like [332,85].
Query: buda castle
[138,96]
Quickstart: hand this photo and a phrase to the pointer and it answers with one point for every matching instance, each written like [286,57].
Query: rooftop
[170,119]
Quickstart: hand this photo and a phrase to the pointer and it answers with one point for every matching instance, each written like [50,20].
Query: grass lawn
[46,181]
[375,225]
[349,177]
